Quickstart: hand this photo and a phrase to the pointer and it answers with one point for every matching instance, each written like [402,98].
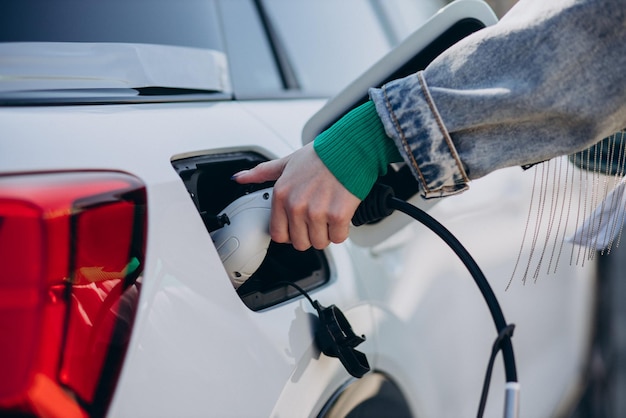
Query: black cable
[380,203]
[506,333]
[472,267]
[302,292]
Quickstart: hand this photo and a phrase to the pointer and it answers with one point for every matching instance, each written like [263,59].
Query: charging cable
[334,335]
[381,203]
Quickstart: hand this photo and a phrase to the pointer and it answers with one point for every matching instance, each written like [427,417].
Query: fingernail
[234,176]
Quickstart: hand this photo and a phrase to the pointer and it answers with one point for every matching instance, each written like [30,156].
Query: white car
[121,124]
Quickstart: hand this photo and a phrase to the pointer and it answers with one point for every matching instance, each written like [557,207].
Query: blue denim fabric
[549,79]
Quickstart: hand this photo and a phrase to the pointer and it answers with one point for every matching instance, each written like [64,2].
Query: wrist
[356,149]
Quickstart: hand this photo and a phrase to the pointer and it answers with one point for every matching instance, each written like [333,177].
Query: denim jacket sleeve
[549,79]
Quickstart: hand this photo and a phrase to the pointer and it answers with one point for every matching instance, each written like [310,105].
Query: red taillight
[71,249]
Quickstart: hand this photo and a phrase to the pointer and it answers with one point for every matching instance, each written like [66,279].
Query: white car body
[197,350]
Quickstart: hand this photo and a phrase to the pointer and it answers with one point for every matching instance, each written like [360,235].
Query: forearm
[547,80]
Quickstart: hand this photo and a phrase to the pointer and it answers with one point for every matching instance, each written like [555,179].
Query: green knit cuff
[356,149]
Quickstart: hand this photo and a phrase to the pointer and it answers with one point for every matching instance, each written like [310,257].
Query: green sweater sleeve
[356,149]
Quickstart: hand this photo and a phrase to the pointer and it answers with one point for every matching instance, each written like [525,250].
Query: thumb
[267,171]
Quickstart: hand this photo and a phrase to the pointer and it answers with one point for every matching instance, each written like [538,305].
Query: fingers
[317,229]
[266,171]
[306,225]
[279,221]
[290,222]
[339,226]
[310,208]
[315,215]
[329,221]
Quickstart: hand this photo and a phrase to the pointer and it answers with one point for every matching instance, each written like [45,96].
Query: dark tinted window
[189,23]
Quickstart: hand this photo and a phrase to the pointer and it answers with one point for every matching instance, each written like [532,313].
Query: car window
[190,23]
[274,47]
[330,43]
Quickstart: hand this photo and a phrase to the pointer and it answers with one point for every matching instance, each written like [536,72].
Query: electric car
[121,125]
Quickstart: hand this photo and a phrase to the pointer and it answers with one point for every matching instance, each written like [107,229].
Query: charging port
[208,181]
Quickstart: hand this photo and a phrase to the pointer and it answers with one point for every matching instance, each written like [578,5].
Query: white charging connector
[242,243]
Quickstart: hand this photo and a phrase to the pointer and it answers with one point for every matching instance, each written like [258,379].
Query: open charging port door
[208,181]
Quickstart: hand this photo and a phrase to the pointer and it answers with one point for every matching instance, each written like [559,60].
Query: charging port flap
[208,181]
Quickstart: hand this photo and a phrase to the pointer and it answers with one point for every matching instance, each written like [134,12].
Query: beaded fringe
[579,199]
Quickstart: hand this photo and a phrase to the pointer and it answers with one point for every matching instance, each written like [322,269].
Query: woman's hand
[309,207]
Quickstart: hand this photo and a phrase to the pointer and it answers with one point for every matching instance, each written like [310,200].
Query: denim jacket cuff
[411,119]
